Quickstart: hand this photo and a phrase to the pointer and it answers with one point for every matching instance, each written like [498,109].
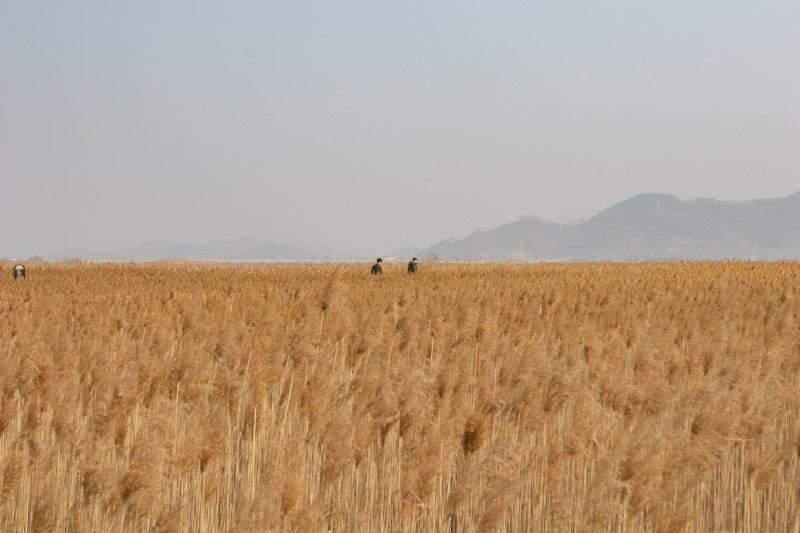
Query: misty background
[372,126]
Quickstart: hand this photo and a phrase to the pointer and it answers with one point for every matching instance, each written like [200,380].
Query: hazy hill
[646,226]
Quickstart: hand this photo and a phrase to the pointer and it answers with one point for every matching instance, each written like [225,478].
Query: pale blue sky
[369,126]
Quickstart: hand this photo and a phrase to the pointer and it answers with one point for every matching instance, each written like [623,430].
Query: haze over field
[367,128]
[645,227]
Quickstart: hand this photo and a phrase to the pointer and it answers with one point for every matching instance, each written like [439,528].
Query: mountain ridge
[646,226]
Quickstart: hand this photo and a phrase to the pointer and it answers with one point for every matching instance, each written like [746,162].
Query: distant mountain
[245,249]
[647,226]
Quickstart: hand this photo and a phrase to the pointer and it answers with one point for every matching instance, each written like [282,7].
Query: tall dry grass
[593,397]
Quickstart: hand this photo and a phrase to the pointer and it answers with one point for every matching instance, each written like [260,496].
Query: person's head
[380,260]
[414,259]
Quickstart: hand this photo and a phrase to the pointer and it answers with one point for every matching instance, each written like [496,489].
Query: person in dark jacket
[19,271]
[412,266]
[376,268]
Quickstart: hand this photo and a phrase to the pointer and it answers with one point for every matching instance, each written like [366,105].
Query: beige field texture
[502,397]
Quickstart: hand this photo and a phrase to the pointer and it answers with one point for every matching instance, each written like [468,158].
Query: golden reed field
[503,397]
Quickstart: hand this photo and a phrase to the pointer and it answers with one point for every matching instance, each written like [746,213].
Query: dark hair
[380,260]
[413,258]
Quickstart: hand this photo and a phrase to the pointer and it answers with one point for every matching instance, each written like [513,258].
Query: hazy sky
[373,125]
